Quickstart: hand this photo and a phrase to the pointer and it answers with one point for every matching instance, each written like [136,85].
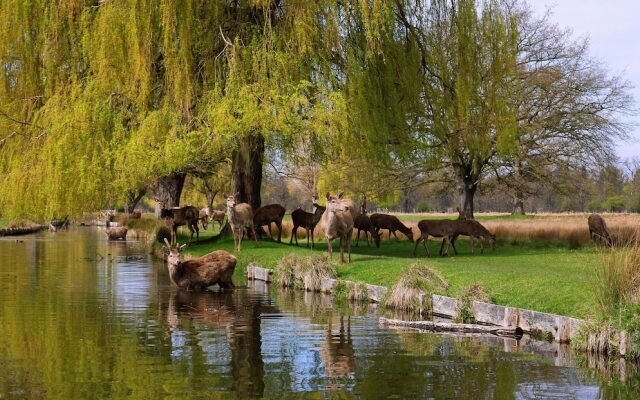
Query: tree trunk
[518,205]
[210,197]
[467,185]
[133,198]
[168,191]
[246,170]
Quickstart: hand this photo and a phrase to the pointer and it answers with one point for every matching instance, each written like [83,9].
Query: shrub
[417,279]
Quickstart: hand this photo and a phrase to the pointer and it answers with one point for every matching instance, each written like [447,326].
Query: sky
[613,29]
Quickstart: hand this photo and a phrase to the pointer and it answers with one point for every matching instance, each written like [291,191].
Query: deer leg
[293,233]
[255,238]
[358,237]
[342,239]
[349,243]
[415,248]
[330,248]
[311,234]
[279,225]
[442,246]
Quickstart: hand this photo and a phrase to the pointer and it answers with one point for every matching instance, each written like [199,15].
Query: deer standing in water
[337,222]
[199,273]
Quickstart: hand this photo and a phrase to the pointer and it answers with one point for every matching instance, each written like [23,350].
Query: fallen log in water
[453,327]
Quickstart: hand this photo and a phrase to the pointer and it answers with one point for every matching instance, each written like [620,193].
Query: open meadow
[542,262]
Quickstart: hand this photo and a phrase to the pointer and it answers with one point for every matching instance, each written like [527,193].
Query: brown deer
[117,233]
[200,273]
[392,223]
[218,216]
[203,217]
[363,223]
[135,215]
[337,221]
[475,230]
[442,228]
[266,215]
[598,230]
[240,217]
[178,216]
[308,221]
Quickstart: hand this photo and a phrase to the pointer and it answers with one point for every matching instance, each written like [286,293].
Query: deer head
[231,201]
[492,242]
[334,204]
[173,253]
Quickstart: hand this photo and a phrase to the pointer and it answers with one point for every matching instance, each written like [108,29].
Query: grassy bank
[540,275]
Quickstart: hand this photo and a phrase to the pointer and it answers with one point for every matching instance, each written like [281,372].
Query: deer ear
[236,195]
[181,248]
[167,243]
[340,195]
[328,196]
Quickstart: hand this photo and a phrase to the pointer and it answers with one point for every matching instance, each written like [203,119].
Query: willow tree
[100,98]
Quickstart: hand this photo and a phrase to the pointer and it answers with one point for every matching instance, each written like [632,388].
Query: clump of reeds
[617,278]
[413,290]
[466,298]
[304,272]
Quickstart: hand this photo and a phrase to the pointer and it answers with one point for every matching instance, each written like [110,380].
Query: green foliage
[614,203]
[466,298]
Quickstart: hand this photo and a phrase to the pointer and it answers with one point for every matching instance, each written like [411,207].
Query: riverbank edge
[553,327]
[22,231]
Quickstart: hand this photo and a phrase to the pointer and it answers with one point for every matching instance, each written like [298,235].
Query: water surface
[81,317]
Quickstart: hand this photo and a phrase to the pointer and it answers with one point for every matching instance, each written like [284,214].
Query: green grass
[542,276]
[3,223]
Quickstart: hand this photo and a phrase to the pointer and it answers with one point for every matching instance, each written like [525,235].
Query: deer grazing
[266,215]
[199,273]
[240,217]
[362,223]
[474,230]
[179,216]
[442,228]
[392,223]
[203,217]
[598,230]
[117,233]
[307,221]
[337,222]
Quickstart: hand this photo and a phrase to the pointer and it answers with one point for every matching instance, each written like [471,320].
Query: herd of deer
[338,219]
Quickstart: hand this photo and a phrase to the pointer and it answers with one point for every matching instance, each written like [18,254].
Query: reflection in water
[81,317]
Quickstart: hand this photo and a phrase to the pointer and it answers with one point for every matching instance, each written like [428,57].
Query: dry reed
[419,281]
[303,272]
[617,279]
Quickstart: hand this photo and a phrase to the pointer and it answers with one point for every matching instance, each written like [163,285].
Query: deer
[392,223]
[117,233]
[240,217]
[265,215]
[199,273]
[178,216]
[203,217]
[337,222]
[217,216]
[598,230]
[363,223]
[444,228]
[135,215]
[308,221]
[475,230]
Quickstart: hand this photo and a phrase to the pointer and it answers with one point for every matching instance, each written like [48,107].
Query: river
[81,317]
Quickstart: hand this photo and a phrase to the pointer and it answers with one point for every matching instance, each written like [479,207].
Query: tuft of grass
[617,279]
[419,279]
[303,272]
[467,296]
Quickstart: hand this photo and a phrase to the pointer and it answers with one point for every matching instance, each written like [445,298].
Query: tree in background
[568,109]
